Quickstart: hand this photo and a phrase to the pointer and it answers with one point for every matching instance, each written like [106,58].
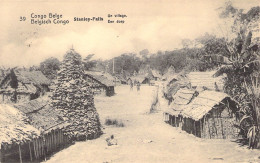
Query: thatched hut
[120,79]
[142,79]
[206,80]
[49,122]
[100,82]
[212,115]
[21,85]
[15,135]
[156,75]
[181,99]
[209,114]
[170,72]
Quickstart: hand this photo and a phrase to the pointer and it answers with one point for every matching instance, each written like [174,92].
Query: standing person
[131,86]
[138,86]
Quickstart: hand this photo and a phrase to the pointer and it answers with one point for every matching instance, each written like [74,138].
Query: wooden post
[34,148]
[20,154]
[30,150]
[46,143]
[44,146]
[40,147]
[60,140]
[52,140]
[195,133]
[209,128]
[37,147]
[204,127]
[1,154]
[49,143]
[201,128]
[61,132]
[222,130]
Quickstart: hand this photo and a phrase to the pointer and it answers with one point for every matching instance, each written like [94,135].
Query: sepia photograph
[129,81]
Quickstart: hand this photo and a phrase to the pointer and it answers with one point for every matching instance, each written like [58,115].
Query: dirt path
[146,138]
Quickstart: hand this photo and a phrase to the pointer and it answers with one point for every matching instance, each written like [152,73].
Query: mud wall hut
[21,85]
[100,83]
[212,115]
[15,135]
[209,114]
[50,124]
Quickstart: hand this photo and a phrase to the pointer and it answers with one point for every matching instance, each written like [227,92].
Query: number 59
[22,18]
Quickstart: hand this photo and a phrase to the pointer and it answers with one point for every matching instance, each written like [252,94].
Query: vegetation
[242,81]
[50,67]
[114,122]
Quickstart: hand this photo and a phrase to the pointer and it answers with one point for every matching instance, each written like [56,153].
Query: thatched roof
[27,81]
[41,114]
[102,78]
[180,100]
[188,104]
[31,77]
[183,96]
[170,72]
[203,103]
[156,74]
[31,106]
[138,78]
[206,80]
[121,78]
[175,82]
[14,127]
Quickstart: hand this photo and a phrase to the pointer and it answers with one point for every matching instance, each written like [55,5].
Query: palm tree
[242,83]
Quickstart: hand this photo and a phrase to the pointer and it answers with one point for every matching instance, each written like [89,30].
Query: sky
[153,25]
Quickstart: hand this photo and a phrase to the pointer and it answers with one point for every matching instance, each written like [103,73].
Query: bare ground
[146,138]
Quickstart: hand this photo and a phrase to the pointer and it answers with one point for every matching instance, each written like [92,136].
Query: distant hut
[174,83]
[170,72]
[99,82]
[153,76]
[142,79]
[120,79]
[156,75]
[206,80]
[15,135]
[21,85]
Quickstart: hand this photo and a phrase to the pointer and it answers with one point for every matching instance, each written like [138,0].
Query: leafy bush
[114,122]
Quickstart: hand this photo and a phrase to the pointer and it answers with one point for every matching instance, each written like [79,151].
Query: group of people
[137,86]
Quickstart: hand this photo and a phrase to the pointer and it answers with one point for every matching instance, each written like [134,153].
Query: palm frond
[224,69]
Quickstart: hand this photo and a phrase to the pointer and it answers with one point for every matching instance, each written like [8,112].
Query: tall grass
[253,133]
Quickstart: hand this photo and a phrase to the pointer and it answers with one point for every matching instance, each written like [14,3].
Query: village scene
[196,103]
